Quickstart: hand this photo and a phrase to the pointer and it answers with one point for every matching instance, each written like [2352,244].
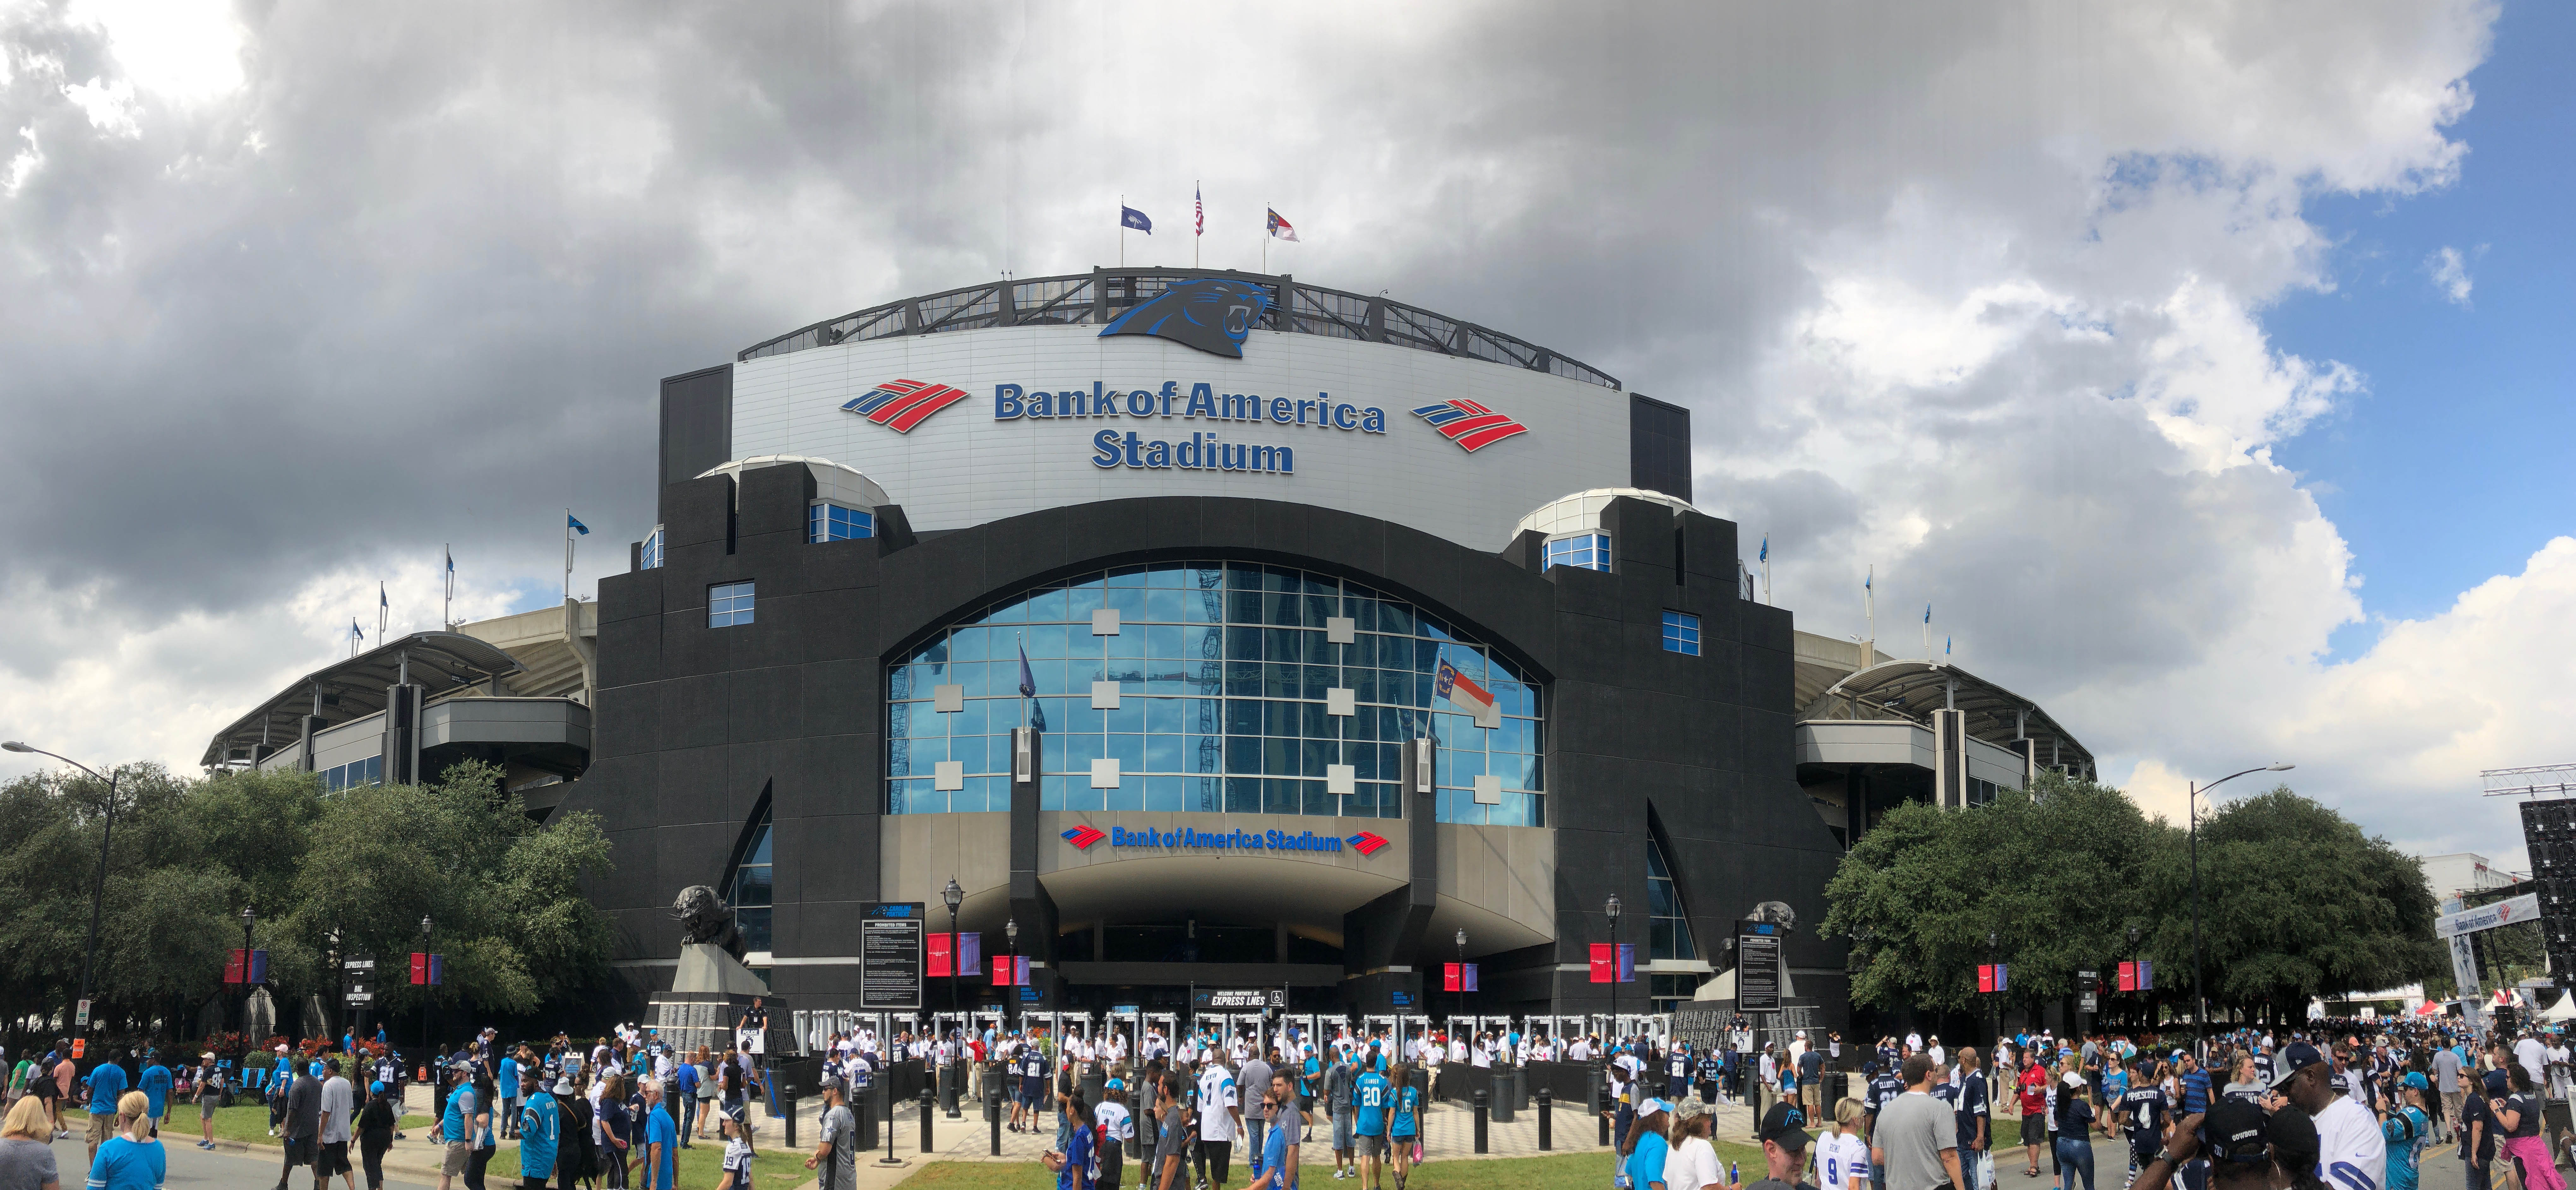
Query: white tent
[2563,1010]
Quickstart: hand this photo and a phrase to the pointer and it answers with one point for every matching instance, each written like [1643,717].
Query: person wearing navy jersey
[1975,1122]
[2142,1115]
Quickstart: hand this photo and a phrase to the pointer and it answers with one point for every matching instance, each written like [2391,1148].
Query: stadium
[1209,630]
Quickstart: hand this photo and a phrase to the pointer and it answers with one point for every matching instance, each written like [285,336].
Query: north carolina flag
[1279,227]
[1468,697]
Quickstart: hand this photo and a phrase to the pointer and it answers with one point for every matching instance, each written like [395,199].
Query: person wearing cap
[2406,1128]
[1916,1141]
[1648,1148]
[2352,1154]
[1785,1138]
[376,1133]
[540,1138]
[1693,1164]
[2240,1149]
[836,1150]
[1117,1128]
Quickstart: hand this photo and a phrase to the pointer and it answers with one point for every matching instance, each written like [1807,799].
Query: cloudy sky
[2204,365]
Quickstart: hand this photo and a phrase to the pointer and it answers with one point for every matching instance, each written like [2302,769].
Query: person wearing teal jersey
[1404,1118]
[1371,1096]
[540,1134]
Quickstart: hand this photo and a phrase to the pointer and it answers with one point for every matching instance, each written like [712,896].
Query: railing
[1098,297]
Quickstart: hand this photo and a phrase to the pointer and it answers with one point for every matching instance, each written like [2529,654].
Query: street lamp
[98,884]
[1010,999]
[1462,970]
[428,992]
[1994,940]
[2199,995]
[2133,944]
[952,896]
[1611,907]
[248,919]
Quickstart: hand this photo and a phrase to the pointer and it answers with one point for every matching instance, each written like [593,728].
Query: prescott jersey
[2143,1111]
[1882,1089]
[1369,1095]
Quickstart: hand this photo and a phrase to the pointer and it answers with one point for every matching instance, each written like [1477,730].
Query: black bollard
[787,1096]
[929,1108]
[1546,1121]
[993,1111]
[1484,1105]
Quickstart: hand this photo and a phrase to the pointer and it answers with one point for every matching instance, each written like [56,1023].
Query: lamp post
[428,991]
[1611,907]
[98,883]
[1462,970]
[953,896]
[2133,945]
[1011,998]
[249,919]
[331,955]
[1994,940]
[2200,995]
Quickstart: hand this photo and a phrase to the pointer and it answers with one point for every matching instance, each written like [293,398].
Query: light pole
[2133,946]
[1993,940]
[1611,907]
[2199,995]
[98,884]
[1011,998]
[1462,970]
[249,919]
[428,991]
[952,896]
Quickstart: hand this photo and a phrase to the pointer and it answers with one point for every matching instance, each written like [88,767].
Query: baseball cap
[2497,1083]
[2235,1131]
[2297,1056]
[1690,1108]
[1784,1126]
[376,1088]
[2416,1079]
[1649,1107]
[2294,1138]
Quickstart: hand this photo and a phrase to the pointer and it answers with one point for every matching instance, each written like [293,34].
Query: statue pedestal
[709,990]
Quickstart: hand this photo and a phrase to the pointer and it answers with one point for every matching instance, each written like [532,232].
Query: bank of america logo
[1366,843]
[1470,425]
[1082,837]
[899,405]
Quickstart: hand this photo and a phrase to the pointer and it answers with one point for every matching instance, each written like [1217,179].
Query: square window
[1590,551]
[826,521]
[1681,633]
[728,604]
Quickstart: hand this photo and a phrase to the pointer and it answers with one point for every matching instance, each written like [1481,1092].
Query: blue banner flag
[1927,613]
[355,632]
[1028,681]
[1766,547]
[1131,217]
[575,525]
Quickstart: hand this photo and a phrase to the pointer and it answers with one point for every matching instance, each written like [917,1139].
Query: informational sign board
[83,1019]
[2511,911]
[1757,966]
[892,959]
[1241,999]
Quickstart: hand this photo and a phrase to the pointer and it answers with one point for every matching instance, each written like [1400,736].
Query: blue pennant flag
[380,595]
[1927,613]
[1131,217]
[574,524]
[1766,547]
[1028,681]
[1945,646]
[355,632]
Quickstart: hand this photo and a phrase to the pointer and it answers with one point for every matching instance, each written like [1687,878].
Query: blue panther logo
[1213,316]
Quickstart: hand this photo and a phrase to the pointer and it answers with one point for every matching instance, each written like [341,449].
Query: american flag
[1199,203]
[1470,425]
[902,404]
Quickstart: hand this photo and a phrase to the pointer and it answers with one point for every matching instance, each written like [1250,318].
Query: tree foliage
[188,855]
[2296,901]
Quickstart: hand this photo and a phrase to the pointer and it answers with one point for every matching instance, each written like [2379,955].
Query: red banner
[1604,963]
[940,950]
[1448,977]
[2128,977]
[1985,977]
[233,966]
[1001,970]
[419,968]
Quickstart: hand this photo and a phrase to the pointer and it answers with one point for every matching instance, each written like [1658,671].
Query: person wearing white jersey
[2352,1154]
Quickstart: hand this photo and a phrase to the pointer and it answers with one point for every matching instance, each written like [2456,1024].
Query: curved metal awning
[355,688]
[1912,690]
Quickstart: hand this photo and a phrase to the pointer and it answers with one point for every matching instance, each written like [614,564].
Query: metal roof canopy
[1917,688]
[356,688]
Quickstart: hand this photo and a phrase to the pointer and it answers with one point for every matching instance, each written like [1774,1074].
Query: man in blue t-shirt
[685,1085]
[505,1087]
[661,1142]
[155,1084]
[106,1083]
[1370,1095]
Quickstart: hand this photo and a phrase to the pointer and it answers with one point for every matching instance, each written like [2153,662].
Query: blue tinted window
[1590,551]
[728,604]
[370,771]
[748,891]
[827,521]
[1681,633]
[1202,631]
[652,554]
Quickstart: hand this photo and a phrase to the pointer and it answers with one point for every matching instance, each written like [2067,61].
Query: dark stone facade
[697,726]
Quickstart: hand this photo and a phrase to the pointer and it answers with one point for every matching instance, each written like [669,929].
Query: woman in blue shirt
[1648,1147]
[131,1159]
[1404,1124]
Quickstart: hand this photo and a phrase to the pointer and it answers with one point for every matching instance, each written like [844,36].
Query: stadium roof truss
[355,688]
[1912,690]
[1098,297]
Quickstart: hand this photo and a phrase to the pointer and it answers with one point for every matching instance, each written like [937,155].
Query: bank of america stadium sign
[900,405]
[1190,838]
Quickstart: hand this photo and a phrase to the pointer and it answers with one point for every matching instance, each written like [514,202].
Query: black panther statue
[1212,315]
[703,918]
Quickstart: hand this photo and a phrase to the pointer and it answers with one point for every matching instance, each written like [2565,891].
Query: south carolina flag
[1468,697]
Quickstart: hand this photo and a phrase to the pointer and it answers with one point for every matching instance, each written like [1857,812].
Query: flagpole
[1265,237]
[383,610]
[447,600]
[567,555]
[1122,231]
[1198,220]
[1869,604]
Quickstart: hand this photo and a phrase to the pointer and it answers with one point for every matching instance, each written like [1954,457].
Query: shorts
[2034,1130]
[453,1165]
[1342,1129]
[101,1126]
[334,1159]
[206,1108]
[1372,1146]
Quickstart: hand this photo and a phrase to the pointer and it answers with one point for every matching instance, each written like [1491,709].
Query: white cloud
[2450,273]
[188,50]
[110,107]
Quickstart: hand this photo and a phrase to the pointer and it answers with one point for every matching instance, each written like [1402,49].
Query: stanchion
[889,1159]
[1484,1105]
[993,1112]
[787,1093]
[1546,1121]
[929,1108]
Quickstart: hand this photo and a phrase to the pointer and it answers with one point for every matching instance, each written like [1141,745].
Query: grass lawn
[1570,1171]
[247,1123]
[700,1164]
